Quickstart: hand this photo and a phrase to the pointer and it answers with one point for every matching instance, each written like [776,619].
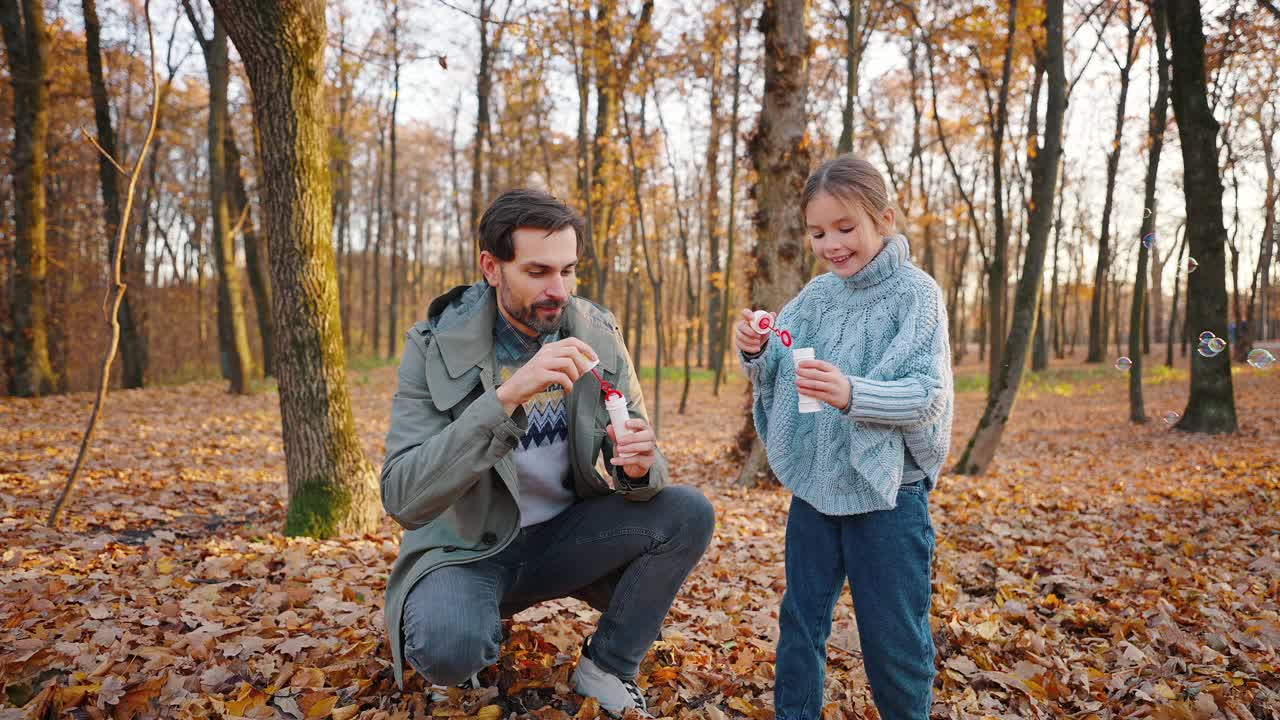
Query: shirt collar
[516,340]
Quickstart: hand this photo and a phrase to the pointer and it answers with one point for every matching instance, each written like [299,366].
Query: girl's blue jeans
[886,556]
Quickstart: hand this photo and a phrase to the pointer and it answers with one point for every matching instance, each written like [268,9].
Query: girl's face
[843,234]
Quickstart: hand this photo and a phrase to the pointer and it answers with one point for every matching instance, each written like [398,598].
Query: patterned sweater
[886,329]
[542,457]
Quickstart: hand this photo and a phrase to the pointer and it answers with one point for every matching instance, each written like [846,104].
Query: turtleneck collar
[882,266]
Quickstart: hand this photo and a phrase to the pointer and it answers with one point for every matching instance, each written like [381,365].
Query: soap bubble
[1206,336]
[1171,417]
[1192,265]
[1123,363]
[1148,240]
[1146,213]
[1261,358]
[1217,345]
[1207,351]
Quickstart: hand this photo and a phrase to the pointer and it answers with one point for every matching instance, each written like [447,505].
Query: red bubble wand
[762,321]
[610,392]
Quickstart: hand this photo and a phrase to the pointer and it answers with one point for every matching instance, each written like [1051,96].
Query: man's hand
[637,450]
[558,363]
[823,381]
[749,341]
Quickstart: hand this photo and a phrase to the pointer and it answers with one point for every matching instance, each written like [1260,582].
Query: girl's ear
[888,221]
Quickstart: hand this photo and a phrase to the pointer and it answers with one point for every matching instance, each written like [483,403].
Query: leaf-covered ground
[1100,570]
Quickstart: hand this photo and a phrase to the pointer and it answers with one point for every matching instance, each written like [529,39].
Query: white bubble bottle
[616,403]
[807,404]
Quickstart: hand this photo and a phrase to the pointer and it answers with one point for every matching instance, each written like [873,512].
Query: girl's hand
[748,340]
[823,381]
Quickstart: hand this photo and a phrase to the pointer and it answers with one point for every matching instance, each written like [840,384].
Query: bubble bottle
[616,404]
[763,322]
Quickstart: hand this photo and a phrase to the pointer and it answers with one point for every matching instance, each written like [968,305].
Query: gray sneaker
[614,694]
[438,693]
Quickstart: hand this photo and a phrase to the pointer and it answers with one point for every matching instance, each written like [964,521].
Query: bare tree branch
[117,290]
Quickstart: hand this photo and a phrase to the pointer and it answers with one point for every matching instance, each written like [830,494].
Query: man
[496,428]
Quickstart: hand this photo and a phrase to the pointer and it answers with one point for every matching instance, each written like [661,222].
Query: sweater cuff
[889,403]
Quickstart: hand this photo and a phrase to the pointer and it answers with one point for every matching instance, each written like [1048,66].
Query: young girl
[860,470]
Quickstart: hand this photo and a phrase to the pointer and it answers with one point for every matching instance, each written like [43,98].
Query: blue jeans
[627,559]
[886,556]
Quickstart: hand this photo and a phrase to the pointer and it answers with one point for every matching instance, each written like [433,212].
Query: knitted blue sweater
[886,329]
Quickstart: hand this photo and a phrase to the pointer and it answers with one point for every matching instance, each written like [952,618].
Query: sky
[434,94]
[446,28]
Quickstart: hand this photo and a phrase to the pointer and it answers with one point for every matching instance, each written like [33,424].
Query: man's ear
[489,266]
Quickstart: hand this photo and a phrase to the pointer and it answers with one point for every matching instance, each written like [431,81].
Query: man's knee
[692,512]
[447,654]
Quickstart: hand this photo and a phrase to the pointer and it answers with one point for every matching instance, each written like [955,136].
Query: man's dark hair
[526,208]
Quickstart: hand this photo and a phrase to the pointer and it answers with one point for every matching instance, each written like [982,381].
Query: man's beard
[528,314]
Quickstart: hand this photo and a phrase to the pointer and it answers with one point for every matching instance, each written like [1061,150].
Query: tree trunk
[655,278]
[1257,312]
[1173,308]
[133,348]
[722,327]
[333,489]
[1055,298]
[1211,407]
[26,41]
[998,267]
[1044,175]
[1156,304]
[237,360]
[380,235]
[254,260]
[393,311]
[484,87]
[852,56]
[715,293]
[1040,344]
[1155,134]
[1098,309]
[691,309]
[779,150]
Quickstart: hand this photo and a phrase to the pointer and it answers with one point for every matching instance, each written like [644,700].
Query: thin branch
[474,16]
[244,214]
[118,287]
[197,25]
[94,141]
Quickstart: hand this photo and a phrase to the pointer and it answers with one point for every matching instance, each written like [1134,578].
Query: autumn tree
[780,153]
[133,349]
[26,40]
[1044,161]
[1155,133]
[397,60]
[612,70]
[233,337]
[1211,407]
[254,250]
[1098,311]
[731,236]
[333,489]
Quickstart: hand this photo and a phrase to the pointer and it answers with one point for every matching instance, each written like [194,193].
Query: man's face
[534,288]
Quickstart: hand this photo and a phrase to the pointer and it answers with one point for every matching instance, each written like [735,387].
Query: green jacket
[449,477]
